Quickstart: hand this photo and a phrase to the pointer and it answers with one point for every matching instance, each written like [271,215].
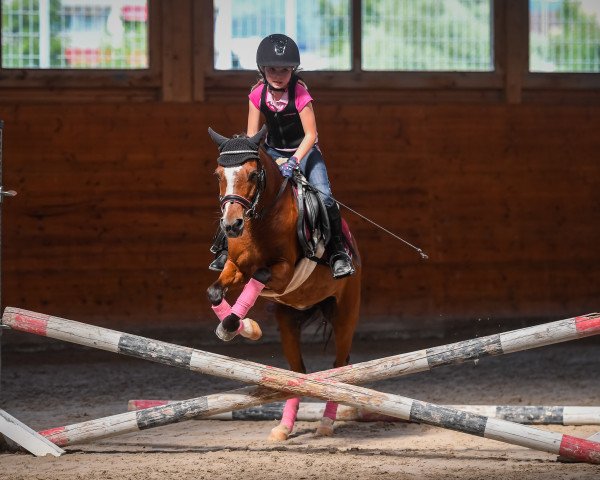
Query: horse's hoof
[279,434]
[325,428]
[224,334]
[250,329]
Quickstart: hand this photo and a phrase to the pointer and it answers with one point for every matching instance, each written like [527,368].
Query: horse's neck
[281,215]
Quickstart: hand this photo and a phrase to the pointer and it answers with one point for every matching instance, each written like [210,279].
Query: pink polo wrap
[222,309]
[289,412]
[247,298]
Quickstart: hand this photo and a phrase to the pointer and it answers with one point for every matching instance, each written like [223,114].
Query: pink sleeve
[303,98]
[255,96]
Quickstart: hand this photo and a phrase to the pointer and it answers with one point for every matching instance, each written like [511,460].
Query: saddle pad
[302,271]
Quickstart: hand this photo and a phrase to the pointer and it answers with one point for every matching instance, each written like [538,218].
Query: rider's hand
[287,169]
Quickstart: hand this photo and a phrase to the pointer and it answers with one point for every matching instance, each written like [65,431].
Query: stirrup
[218,264]
[344,267]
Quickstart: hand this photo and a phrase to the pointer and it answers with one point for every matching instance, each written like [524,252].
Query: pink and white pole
[321,385]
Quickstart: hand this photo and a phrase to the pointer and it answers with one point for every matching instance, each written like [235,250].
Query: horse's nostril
[234,228]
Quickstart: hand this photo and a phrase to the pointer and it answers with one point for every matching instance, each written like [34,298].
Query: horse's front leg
[231,317]
[230,276]
[289,329]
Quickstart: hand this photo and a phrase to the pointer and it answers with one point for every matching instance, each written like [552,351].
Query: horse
[259,215]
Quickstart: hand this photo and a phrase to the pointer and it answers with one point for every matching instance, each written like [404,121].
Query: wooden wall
[496,176]
[117,204]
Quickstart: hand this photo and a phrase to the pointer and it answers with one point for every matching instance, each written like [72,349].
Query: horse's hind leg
[289,328]
[344,317]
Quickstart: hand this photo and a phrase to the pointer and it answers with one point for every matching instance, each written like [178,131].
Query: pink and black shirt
[285,130]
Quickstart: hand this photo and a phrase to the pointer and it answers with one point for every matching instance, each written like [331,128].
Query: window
[564,36]
[75,34]
[321,29]
[415,35]
[427,35]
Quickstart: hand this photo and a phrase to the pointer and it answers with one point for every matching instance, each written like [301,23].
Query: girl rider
[283,99]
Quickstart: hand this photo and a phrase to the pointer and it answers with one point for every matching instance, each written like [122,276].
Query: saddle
[313,229]
[313,232]
[312,226]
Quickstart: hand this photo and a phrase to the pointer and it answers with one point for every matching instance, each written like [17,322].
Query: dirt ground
[73,384]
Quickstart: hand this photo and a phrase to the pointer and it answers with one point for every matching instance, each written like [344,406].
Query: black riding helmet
[277,50]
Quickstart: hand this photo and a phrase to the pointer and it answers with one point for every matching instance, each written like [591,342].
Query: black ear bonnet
[237,150]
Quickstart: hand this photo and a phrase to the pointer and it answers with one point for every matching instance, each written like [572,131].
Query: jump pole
[319,385]
[313,411]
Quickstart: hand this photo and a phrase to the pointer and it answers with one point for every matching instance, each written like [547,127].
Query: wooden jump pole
[321,386]
[313,411]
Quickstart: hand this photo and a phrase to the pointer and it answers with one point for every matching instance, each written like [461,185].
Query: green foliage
[577,48]
[456,35]
[396,35]
[335,32]
[413,34]
[21,42]
[426,35]
[571,44]
[20,34]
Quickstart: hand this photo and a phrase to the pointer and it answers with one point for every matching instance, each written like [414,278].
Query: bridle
[250,205]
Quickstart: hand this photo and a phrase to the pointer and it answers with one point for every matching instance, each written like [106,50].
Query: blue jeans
[313,168]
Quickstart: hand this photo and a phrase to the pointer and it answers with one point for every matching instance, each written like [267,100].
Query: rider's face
[278,77]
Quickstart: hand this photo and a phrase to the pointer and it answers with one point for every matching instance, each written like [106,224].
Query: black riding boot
[219,248]
[339,261]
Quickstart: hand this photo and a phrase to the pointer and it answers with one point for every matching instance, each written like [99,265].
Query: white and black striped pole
[313,411]
[322,386]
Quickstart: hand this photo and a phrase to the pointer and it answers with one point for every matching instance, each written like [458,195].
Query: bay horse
[259,214]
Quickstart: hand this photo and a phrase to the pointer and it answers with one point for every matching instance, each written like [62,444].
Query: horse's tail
[322,312]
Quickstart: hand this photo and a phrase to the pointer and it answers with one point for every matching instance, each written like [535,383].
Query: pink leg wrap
[289,412]
[330,410]
[247,298]
[222,309]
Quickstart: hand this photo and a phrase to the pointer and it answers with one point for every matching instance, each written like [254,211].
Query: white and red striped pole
[320,386]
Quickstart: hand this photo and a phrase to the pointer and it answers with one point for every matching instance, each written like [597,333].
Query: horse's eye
[253,176]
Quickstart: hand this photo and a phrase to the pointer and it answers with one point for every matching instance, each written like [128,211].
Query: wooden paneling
[117,206]
[515,43]
[177,50]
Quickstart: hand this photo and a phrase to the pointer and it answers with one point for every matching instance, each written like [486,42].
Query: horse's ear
[217,138]
[258,137]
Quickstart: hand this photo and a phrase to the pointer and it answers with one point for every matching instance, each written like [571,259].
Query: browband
[233,152]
